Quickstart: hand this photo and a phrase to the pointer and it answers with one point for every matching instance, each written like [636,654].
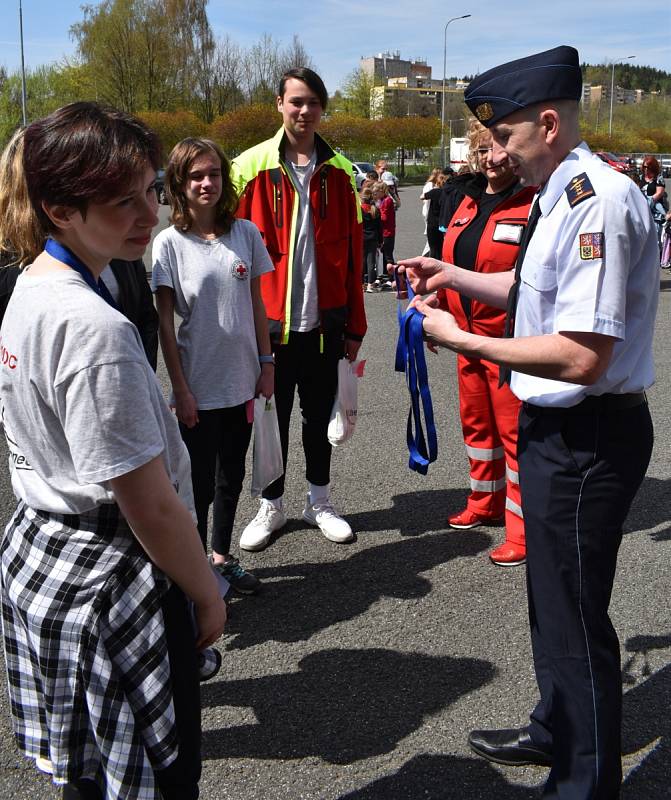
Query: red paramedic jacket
[497,252]
[269,199]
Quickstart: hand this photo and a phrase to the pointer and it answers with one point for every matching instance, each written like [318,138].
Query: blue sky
[337,32]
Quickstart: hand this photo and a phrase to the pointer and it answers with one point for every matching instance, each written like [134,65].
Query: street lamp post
[442,103]
[612,91]
[23,69]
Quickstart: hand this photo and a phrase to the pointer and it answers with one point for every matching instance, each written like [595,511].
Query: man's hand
[440,327]
[351,349]
[186,408]
[424,274]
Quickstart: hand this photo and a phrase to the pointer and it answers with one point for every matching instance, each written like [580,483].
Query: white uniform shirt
[592,265]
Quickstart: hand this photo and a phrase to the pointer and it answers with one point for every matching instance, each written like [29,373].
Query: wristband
[269,359]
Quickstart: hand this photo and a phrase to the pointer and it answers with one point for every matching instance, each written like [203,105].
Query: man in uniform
[302,196]
[583,297]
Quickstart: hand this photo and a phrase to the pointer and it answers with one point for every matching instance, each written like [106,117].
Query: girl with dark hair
[207,269]
[102,549]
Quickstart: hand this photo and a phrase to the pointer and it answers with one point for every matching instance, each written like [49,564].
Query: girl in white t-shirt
[207,269]
[101,550]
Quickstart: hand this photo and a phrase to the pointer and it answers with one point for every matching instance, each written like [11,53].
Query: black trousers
[370,261]
[578,475]
[179,781]
[388,254]
[299,364]
[217,447]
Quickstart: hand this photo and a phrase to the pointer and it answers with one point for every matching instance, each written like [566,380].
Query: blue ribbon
[410,358]
[63,254]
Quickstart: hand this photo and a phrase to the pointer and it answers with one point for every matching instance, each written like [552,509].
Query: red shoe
[467,519]
[509,555]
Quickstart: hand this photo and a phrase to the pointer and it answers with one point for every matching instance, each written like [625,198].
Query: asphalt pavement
[358,671]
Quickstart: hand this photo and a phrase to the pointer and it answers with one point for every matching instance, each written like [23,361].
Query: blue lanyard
[63,254]
[410,358]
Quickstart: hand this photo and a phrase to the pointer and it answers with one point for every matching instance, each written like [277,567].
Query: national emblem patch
[591,246]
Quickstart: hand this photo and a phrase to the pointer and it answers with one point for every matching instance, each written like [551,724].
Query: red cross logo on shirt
[239,269]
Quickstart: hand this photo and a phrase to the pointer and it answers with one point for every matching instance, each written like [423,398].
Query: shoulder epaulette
[578,189]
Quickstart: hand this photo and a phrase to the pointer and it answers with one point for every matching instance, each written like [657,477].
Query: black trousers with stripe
[578,474]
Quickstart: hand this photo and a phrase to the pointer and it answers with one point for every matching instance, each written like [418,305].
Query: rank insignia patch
[591,246]
[579,189]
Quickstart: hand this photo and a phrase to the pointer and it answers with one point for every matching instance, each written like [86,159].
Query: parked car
[617,163]
[665,164]
[160,187]
[361,169]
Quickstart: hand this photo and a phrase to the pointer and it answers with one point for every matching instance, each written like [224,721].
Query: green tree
[47,88]
[147,54]
[355,93]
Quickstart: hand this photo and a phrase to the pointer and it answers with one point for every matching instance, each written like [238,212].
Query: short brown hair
[310,78]
[83,153]
[182,156]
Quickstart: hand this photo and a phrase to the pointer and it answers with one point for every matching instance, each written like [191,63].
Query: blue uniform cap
[551,75]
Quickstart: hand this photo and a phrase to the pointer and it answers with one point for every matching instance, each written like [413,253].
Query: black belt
[594,403]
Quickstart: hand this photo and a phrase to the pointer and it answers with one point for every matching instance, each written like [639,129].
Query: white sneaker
[326,518]
[258,532]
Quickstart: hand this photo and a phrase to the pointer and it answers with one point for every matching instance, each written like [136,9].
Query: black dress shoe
[511,746]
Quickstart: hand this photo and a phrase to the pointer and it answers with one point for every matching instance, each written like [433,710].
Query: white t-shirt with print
[80,402]
[211,279]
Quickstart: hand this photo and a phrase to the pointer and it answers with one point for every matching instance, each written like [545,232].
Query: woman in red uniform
[484,234]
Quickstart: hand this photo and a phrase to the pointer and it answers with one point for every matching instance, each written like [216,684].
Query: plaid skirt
[87,661]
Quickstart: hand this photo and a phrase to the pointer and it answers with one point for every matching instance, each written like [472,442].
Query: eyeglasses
[482,151]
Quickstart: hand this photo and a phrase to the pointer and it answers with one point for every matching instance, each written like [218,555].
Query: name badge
[508,232]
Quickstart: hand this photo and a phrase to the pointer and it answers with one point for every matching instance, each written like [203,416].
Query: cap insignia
[484,112]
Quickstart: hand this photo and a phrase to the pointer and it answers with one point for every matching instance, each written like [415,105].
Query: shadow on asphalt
[342,705]
[651,508]
[665,285]
[647,724]
[309,597]
[413,513]
[438,777]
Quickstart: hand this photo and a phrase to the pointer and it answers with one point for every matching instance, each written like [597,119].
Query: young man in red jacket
[302,197]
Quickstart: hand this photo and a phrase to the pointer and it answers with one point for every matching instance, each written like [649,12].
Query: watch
[269,359]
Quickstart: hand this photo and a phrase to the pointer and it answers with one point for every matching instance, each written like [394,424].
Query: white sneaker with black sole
[258,532]
[323,516]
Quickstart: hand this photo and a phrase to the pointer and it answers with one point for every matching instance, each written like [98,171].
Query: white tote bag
[267,463]
[345,407]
